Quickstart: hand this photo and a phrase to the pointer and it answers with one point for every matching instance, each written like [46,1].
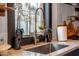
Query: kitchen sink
[46,49]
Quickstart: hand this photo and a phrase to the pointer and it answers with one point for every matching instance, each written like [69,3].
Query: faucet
[35,36]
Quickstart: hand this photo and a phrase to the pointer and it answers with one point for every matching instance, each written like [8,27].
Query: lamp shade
[62,33]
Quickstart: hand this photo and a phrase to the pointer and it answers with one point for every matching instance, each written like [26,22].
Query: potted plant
[42,28]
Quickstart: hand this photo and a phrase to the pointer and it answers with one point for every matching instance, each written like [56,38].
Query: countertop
[72,45]
[4,47]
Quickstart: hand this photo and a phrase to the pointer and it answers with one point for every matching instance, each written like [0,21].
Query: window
[25,17]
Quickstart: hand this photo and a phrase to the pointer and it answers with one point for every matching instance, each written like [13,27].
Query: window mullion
[29,19]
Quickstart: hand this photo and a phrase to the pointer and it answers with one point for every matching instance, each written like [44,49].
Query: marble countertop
[72,45]
[4,47]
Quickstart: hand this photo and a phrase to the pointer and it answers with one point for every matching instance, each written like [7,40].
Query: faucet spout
[35,36]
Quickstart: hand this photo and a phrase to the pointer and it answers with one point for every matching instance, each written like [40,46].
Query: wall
[60,12]
[64,11]
[68,10]
[54,20]
[3,26]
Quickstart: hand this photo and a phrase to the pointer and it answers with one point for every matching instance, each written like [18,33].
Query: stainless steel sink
[46,49]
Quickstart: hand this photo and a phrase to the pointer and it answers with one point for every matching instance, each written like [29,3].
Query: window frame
[29,26]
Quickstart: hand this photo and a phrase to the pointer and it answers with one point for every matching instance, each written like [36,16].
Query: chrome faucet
[35,36]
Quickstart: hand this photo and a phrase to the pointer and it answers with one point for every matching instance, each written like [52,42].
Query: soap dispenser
[18,38]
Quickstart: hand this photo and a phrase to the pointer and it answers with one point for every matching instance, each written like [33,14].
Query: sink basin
[46,49]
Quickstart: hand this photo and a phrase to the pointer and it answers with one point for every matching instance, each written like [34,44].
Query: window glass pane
[33,10]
